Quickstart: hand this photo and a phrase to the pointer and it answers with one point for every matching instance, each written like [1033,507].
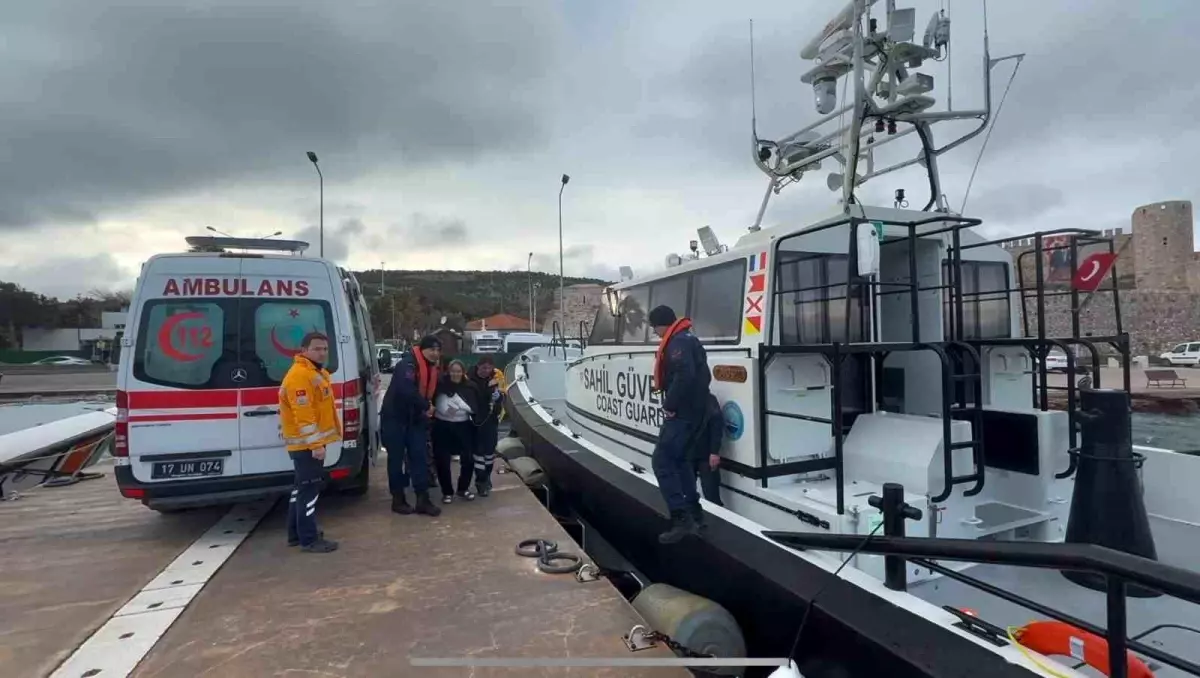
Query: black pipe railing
[1118,568]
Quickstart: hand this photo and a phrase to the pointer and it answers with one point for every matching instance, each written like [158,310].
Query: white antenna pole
[860,102]
[753,98]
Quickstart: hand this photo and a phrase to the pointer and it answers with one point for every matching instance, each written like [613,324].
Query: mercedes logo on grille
[239,374]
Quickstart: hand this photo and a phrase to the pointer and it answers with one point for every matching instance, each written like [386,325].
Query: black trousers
[710,482]
[302,507]
[449,439]
[485,452]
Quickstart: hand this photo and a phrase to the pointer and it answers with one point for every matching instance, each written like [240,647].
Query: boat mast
[896,102]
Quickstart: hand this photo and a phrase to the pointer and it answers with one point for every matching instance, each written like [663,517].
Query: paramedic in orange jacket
[308,422]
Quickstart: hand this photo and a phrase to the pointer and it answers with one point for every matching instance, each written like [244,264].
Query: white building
[73,339]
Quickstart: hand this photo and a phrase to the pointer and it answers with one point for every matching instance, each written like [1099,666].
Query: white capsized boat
[51,442]
[888,358]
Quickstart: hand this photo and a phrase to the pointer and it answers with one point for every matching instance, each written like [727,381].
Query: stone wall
[1157,270]
[1155,321]
[582,303]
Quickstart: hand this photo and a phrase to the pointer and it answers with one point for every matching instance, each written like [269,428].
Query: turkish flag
[1092,271]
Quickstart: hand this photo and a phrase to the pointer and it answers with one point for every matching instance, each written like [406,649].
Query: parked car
[1183,355]
[62,360]
[1056,361]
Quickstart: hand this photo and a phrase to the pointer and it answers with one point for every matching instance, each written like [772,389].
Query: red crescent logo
[289,352]
[164,337]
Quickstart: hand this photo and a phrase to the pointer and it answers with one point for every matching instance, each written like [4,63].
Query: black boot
[697,512]
[426,507]
[682,525]
[400,504]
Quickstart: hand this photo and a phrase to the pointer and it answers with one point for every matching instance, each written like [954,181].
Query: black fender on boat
[849,632]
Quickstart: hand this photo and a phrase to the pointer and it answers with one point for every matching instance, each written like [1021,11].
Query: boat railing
[836,352]
[1120,571]
[951,354]
[1036,340]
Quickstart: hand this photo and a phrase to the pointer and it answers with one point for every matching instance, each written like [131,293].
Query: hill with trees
[421,298]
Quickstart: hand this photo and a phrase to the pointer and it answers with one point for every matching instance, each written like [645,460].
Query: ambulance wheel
[361,482]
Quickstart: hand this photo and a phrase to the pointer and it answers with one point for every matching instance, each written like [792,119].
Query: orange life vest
[660,366]
[427,375]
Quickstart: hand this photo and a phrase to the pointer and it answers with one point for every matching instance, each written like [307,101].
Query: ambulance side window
[277,328]
[361,337]
[179,342]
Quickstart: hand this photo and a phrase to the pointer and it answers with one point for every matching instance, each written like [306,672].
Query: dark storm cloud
[1096,72]
[706,104]
[104,106]
[578,261]
[339,238]
[423,232]
[64,277]
[1016,202]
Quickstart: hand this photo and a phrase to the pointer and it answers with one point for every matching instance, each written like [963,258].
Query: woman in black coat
[455,403]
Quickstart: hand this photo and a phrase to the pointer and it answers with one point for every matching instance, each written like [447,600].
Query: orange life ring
[1059,638]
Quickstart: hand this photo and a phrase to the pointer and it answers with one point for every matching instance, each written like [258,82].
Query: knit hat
[662,316]
[429,341]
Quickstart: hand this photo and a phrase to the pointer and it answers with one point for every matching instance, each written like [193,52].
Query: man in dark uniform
[682,377]
[405,414]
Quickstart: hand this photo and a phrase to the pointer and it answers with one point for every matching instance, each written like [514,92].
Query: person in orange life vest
[682,377]
[308,422]
[405,422]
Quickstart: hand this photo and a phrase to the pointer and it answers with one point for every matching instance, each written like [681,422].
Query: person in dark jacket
[707,454]
[682,377]
[405,417]
[455,404]
[489,382]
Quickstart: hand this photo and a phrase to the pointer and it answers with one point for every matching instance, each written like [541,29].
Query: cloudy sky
[443,127]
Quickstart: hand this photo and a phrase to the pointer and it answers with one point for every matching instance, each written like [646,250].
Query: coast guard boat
[899,498]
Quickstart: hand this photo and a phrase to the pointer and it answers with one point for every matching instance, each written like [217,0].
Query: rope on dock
[547,553]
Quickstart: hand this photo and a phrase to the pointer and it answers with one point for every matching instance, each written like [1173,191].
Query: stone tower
[1163,239]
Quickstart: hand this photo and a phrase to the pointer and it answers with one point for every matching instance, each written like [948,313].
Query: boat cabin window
[811,298]
[717,297]
[671,292]
[634,307]
[711,297]
[604,328]
[986,302]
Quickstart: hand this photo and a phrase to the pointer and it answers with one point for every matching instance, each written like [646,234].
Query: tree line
[20,307]
[420,299]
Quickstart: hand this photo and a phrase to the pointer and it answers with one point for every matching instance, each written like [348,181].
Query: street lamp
[321,178]
[562,299]
[220,232]
[529,273]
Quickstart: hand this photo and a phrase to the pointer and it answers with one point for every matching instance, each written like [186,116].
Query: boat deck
[234,600]
[1178,544]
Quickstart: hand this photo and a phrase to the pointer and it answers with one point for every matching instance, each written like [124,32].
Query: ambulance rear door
[287,298]
[182,408]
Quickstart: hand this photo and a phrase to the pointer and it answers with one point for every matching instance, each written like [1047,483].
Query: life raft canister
[1055,638]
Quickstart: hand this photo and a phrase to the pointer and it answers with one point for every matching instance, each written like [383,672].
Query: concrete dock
[399,587]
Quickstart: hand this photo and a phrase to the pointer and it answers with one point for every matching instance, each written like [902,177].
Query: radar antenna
[890,101]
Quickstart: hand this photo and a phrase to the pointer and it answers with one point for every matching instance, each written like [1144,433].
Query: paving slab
[399,587]
[70,558]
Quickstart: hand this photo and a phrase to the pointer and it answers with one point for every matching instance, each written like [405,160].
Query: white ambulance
[211,333]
